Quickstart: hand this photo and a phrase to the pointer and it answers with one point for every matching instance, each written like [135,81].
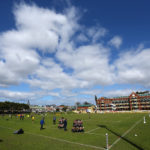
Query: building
[85,108]
[37,109]
[51,108]
[135,101]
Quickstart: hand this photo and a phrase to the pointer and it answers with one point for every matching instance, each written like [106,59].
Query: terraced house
[135,101]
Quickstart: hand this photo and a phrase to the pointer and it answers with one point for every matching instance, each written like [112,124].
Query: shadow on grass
[123,138]
[1,140]
[42,128]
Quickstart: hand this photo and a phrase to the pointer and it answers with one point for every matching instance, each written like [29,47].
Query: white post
[106,141]
[144,120]
[149,115]
[76,107]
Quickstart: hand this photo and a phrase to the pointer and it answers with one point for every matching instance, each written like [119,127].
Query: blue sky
[63,52]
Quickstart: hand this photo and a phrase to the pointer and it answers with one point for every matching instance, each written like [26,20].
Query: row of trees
[12,107]
[84,103]
[144,92]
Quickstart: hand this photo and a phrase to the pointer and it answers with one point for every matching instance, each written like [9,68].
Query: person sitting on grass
[61,123]
[77,126]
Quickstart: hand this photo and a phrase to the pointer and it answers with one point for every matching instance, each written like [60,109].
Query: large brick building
[135,101]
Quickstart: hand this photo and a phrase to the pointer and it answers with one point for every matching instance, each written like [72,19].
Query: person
[20,116]
[54,119]
[61,123]
[33,119]
[65,125]
[42,123]
[10,116]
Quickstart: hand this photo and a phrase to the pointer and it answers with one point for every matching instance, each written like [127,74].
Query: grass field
[121,129]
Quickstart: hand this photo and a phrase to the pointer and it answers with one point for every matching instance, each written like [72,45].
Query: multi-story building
[135,101]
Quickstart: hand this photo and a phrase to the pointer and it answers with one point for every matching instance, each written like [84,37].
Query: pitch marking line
[92,130]
[61,140]
[96,134]
[125,133]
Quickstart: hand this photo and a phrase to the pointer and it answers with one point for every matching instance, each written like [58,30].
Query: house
[37,109]
[50,108]
[86,108]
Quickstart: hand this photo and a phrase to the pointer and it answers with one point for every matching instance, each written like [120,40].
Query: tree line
[13,107]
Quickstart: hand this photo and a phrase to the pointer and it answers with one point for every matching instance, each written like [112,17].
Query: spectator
[20,116]
[54,119]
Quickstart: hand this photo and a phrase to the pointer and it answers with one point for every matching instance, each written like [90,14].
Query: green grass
[96,127]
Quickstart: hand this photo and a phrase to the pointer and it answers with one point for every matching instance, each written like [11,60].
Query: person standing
[42,123]
[33,119]
[65,125]
[54,119]
[20,116]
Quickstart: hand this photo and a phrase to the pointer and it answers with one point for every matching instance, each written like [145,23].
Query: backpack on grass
[20,131]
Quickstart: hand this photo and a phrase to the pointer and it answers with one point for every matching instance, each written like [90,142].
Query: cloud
[82,38]
[133,67]
[116,41]
[37,29]
[49,50]
[115,93]
[18,96]
[90,64]
[17,64]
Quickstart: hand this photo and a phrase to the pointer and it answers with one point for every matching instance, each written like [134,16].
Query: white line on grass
[95,134]
[61,140]
[125,133]
[92,130]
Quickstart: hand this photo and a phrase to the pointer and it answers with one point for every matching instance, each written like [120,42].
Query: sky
[68,51]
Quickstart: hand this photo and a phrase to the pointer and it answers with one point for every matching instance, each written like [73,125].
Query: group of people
[77,126]
[62,123]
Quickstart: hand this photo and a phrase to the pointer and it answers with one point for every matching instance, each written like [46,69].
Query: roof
[145,94]
[85,105]
[119,97]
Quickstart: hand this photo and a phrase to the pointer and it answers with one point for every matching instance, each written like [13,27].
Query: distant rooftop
[85,105]
[145,93]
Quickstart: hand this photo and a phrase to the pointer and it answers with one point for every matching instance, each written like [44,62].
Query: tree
[86,103]
[11,106]
[95,98]
[78,103]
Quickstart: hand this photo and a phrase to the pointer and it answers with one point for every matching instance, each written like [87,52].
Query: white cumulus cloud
[49,50]
[116,41]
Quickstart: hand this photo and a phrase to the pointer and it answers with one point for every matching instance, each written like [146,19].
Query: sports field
[125,132]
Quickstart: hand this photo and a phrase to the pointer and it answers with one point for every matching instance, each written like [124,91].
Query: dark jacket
[42,122]
[65,122]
